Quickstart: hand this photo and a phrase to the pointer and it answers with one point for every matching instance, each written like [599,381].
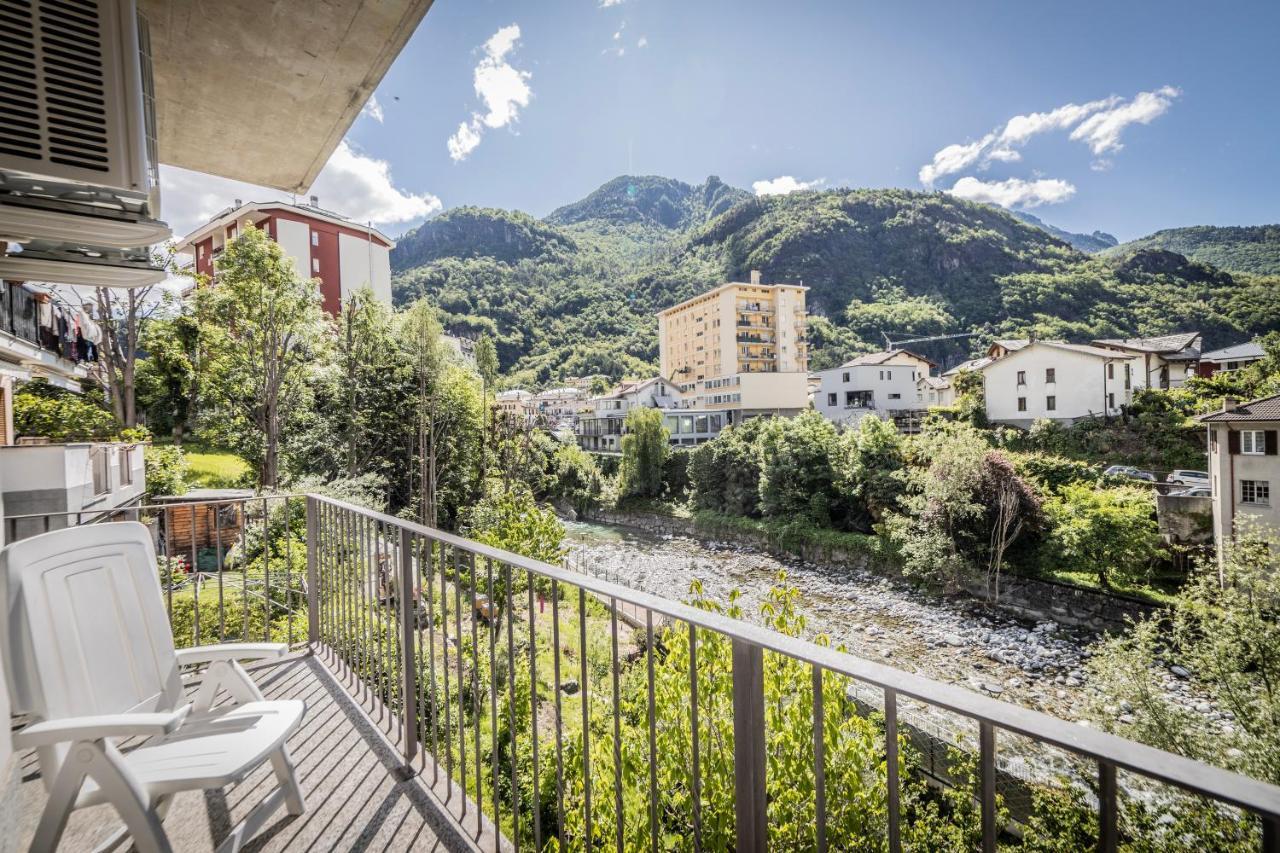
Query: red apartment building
[342,254]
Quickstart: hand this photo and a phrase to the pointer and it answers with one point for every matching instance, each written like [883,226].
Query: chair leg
[122,834]
[62,798]
[130,800]
[282,763]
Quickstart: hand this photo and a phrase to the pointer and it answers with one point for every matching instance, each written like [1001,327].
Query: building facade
[342,255]
[1164,362]
[880,383]
[515,403]
[600,429]
[1244,465]
[1057,381]
[560,404]
[1230,358]
[733,329]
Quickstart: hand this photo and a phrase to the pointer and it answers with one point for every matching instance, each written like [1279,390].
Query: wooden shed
[207,522]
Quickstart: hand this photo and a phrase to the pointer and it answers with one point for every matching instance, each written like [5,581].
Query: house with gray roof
[1244,465]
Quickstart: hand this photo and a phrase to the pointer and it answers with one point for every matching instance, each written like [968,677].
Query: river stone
[953,639]
[570,686]
[993,689]
[1179,671]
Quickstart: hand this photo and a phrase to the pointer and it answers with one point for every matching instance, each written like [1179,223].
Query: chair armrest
[99,726]
[231,651]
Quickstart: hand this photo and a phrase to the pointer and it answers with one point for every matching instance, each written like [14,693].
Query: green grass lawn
[213,468]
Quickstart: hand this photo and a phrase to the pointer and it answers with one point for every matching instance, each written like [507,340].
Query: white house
[1244,464]
[935,391]
[1055,380]
[600,431]
[878,383]
[557,404]
[1165,361]
[1230,358]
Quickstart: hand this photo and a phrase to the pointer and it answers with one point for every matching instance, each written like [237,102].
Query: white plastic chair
[89,655]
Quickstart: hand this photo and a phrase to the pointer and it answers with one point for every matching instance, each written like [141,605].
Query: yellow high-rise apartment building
[740,346]
[736,328]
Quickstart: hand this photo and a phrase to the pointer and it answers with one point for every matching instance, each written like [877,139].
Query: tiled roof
[1266,409]
[972,364]
[873,358]
[936,382]
[1100,352]
[1012,344]
[1158,344]
[1238,352]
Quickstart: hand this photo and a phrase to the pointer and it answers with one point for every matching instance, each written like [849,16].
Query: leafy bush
[511,520]
[869,464]
[166,469]
[724,473]
[1110,532]
[575,478]
[60,416]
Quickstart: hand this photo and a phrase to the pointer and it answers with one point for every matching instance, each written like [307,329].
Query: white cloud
[1101,131]
[1014,192]
[953,158]
[372,109]
[351,184]
[605,4]
[643,41]
[503,89]
[1097,123]
[785,184]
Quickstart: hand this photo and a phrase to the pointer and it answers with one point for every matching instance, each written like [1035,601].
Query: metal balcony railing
[452,638]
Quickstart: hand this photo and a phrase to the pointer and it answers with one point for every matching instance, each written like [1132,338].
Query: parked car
[1187,478]
[1197,492]
[1131,472]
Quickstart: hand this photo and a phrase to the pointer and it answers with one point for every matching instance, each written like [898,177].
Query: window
[315,265]
[1253,442]
[1255,492]
[1111,370]
[895,396]
[1022,377]
[1051,404]
[1128,377]
[315,238]
[831,399]
[846,377]
[1111,401]
[1050,374]
[1022,404]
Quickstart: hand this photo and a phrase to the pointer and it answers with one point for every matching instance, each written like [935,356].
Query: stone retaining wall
[1028,598]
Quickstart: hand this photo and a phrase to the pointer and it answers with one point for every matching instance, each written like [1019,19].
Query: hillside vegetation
[1250,249]
[575,293]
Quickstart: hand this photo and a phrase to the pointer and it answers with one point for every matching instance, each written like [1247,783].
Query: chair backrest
[85,627]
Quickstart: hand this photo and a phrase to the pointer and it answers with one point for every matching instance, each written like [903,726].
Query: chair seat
[209,750]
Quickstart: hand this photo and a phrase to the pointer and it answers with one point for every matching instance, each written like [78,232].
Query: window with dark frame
[1022,377]
[1051,403]
[1050,374]
[1022,404]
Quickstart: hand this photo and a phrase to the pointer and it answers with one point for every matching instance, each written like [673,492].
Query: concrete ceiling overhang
[263,91]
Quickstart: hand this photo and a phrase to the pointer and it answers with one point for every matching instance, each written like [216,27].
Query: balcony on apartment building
[22,345]
[46,486]
[417,654]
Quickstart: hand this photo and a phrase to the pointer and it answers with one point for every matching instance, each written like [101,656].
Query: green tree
[797,477]
[868,468]
[1110,533]
[1221,634]
[645,445]
[264,329]
[40,409]
[167,377]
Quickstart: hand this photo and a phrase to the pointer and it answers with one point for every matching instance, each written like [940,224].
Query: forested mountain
[575,293]
[1088,243]
[1249,248]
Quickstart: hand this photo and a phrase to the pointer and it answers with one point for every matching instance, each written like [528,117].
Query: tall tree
[263,326]
[645,446]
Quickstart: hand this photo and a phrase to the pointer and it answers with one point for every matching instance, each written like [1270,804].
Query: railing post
[313,573]
[750,804]
[408,656]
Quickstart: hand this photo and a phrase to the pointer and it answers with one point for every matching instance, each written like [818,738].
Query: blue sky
[1174,107]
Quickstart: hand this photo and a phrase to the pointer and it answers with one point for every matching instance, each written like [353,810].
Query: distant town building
[1055,380]
[735,328]
[1164,362]
[515,403]
[1244,464]
[1230,358]
[463,348]
[934,391]
[882,383]
[560,404]
[344,255]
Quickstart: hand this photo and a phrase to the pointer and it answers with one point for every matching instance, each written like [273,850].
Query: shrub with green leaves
[645,446]
[1111,533]
[166,469]
[60,416]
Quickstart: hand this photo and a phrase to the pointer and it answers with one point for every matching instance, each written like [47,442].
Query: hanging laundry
[91,333]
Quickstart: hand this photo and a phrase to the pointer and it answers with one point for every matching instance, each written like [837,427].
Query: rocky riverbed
[1039,665]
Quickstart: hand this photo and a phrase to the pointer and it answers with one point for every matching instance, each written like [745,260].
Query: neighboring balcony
[47,486]
[461,697]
